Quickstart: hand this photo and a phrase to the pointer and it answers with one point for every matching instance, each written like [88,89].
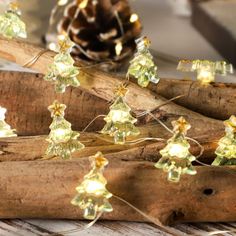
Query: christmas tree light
[92,194]
[176,158]
[226,150]
[62,140]
[206,70]
[119,121]
[62,72]
[5,129]
[142,66]
[11,26]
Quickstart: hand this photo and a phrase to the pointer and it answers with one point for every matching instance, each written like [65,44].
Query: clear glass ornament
[62,140]
[119,121]
[11,25]
[226,150]
[206,70]
[62,72]
[176,159]
[92,194]
[142,67]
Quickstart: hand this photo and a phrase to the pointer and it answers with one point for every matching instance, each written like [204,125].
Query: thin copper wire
[33,60]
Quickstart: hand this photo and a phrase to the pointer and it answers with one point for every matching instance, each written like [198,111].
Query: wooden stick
[43,189]
[217,100]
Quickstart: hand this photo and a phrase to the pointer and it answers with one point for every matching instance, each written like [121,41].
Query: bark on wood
[33,148]
[218,100]
[26,97]
[43,189]
[102,85]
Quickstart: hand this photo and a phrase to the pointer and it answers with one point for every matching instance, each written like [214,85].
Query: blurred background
[176,29]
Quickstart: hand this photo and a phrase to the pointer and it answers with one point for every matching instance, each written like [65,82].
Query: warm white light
[52,46]
[94,187]
[83,4]
[134,17]
[62,2]
[118,116]
[177,150]
[119,48]
[2,113]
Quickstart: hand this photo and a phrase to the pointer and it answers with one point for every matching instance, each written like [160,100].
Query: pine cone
[103,31]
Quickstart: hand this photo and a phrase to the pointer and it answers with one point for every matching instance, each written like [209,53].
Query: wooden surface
[193,46]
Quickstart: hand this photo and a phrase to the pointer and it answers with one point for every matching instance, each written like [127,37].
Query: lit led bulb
[133,18]
[5,129]
[206,70]
[226,150]
[142,66]
[119,121]
[92,195]
[62,72]
[63,141]
[176,158]
[11,25]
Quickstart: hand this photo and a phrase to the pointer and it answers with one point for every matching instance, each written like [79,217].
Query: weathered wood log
[32,187]
[102,85]
[43,189]
[33,148]
[26,97]
[218,100]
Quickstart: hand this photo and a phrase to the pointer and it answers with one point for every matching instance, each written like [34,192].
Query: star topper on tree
[62,72]
[63,141]
[11,26]
[119,121]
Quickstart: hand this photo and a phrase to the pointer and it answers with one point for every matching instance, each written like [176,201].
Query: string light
[5,129]
[83,4]
[119,122]
[62,140]
[226,150]
[118,48]
[62,2]
[142,66]
[62,72]
[133,18]
[206,70]
[92,194]
[176,158]
[11,26]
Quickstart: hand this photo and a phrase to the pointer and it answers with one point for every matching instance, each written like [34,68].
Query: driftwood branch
[32,187]
[43,189]
[218,100]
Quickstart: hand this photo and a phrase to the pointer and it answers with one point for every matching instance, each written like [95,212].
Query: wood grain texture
[43,189]
[218,100]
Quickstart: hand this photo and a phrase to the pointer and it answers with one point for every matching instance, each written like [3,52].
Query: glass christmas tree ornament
[62,72]
[206,70]
[226,150]
[62,140]
[92,195]
[142,66]
[11,26]
[119,121]
[176,159]
[5,129]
